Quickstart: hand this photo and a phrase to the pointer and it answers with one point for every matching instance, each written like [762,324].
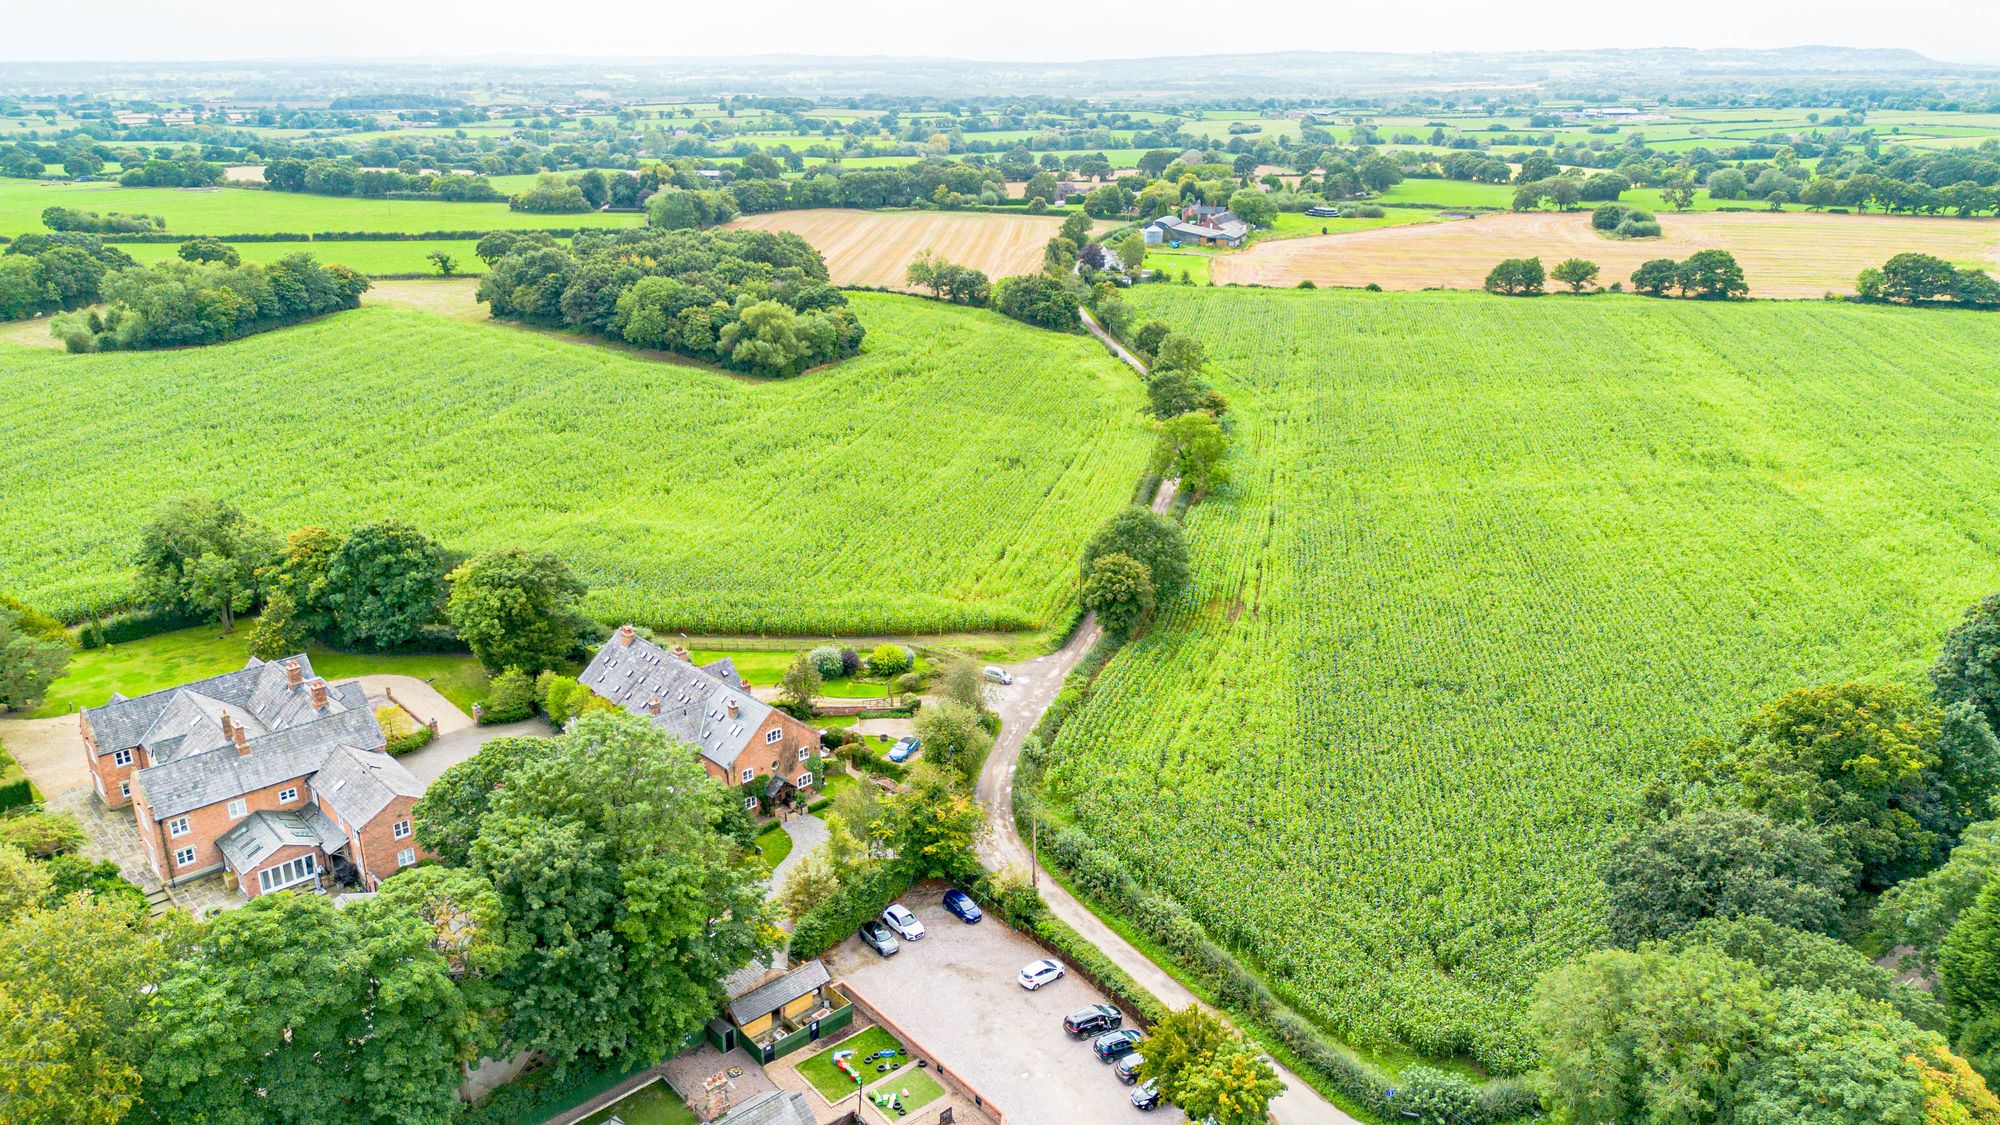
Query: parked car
[1039,973]
[962,907]
[1094,1020]
[1127,1069]
[997,675]
[878,938]
[1113,1045]
[1147,1096]
[899,919]
[904,747]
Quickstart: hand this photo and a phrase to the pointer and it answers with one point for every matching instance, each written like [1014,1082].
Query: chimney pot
[682,652]
[653,706]
[627,634]
[318,693]
[733,710]
[292,673]
[241,739]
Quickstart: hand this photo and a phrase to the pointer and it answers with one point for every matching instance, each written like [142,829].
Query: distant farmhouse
[1199,225]
[266,774]
[710,707]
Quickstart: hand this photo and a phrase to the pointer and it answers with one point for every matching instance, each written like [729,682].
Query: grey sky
[1956,30]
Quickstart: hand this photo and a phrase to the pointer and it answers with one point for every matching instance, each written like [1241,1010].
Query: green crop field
[1486,564]
[254,211]
[926,486]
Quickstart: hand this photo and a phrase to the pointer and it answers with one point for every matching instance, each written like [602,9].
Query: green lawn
[1449,193]
[916,1087]
[819,1069]
[774,843]
[163,661]
[651,1104]
[254,210]
[834,786]
[767,668]
[1174,263]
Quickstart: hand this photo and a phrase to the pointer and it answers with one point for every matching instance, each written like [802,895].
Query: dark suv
[1094,1020]
[1114,1045]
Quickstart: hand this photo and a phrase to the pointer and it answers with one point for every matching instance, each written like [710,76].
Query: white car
[899,919]
[1039,973]
[997,675]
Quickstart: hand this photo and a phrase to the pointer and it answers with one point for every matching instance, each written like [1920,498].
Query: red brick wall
[795,743]
[107,774]
[377,854]
[248,883]
[205,824]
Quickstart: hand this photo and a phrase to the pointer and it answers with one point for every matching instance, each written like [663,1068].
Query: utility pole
[1034,847]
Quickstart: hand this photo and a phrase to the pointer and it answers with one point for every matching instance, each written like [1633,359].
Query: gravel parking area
[955,993]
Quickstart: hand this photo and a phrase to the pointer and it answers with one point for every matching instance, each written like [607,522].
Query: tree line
[182,302]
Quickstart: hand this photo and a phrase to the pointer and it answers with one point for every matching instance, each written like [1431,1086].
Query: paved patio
[690,1071]
[109,834]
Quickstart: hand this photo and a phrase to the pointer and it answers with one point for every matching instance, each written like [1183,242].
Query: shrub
[888,659]
[827,659]
[403,733]
[42,834]
[1633,228]
[16,793]
[510,699]
[1607,216]
[841,913]
[1434,1097]
[850,662]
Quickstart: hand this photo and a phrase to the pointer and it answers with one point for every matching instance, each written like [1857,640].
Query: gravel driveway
[955,993]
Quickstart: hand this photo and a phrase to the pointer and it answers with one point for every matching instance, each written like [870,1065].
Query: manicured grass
[935,448]
[1173,263]
[152,663]
[653,1104]
[1601,529]
[830,1082]
[916,1087]
[834,786]
[774,843]
[372,258]
[256,211]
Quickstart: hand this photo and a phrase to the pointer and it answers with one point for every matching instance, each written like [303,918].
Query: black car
[1147,1096]
[1094,1020]
[1114,1045]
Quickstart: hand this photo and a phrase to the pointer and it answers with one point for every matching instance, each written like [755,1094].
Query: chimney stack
[734,712]
[241,739]
[682,652]
[318,687]
[653,706]
[626,634]
[292,674]
[227,725]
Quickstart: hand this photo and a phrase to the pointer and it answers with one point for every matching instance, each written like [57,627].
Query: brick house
[709,707]
[267,774]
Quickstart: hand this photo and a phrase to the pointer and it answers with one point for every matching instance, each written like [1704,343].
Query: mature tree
[1149,537]
[468,927]
[1178,351]
[207,249]
[201,553]
[1969,667]
[517,609]
[1076,227]
[1851,758]
[24,884]
[1234,1087]
[1517,277]
[444,263]
[934,824]
[1721,863]
[1174,391]
[1969,977]
[1655,277]
[1711,275]
[951,732]
[384,583]
[1132,250]
[1831,1058]
[449,813]
[29,663]
[1678,191]
[611,852]
[1646,1038]
[1119,590]
[1727,183]
[1254,206]
[1576,273]
[1917,277]
[801,683]
[74,984]
[1193,447]
[1792,958]
[815,878]
[289,1010]
[1181,1042]
[70,873]
[301,574]
[1919,912]
[1039,299]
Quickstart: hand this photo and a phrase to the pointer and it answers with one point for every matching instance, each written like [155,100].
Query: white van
[997,675]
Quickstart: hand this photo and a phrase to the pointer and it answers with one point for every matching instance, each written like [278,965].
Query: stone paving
[109,834]
[689,1070]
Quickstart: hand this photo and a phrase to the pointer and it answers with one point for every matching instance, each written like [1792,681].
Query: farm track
[1784,255]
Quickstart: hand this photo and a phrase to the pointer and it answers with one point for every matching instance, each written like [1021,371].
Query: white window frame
[749,775]
[749,804]
[406,858]
[121,757]
[400,830]
[287,796]
[125,789]
[178,826]
[292,872]
[773,735]
[805,779]
[238,809]
[183,857]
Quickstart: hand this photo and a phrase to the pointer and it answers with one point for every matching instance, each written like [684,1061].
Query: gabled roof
[693,703]
[774,994]
[189,781]
[121,723]
[180,721]
[261,835]
[357,784]
[772,1107]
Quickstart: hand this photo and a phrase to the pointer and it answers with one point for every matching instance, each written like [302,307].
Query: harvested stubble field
[1787,255]
[873,248]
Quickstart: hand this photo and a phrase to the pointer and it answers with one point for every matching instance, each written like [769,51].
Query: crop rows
[1486,565]
[944,480]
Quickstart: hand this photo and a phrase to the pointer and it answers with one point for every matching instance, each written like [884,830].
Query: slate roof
[772,1107]
[360,783]
[189,781]
[773,995]
[260,835]
[122,723]
[634,673]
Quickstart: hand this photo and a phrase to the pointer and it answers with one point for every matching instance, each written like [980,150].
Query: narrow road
[1021,705]
[1112,345]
